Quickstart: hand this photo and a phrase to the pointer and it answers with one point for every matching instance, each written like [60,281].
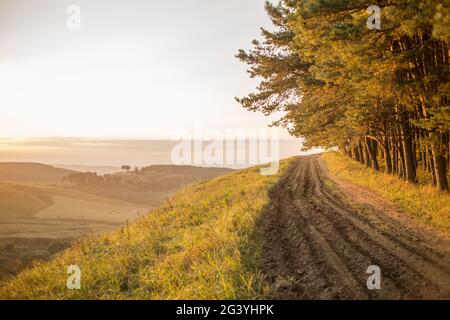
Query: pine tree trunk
[432,170]
[372,153]
[366,155]
[402,169]
[395,162]
[356,154]
[361,153]
[440,169]
[387,156]
[408,153]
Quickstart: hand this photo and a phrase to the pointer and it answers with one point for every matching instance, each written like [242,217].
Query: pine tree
[370,92]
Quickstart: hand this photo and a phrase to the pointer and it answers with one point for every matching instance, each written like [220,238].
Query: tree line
[373,84]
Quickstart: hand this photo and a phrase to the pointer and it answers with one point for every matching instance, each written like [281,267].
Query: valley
[41,215]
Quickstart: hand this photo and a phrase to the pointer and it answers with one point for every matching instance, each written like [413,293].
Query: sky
[136,68]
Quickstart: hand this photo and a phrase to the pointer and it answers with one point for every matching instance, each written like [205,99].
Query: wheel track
[401,237]
[318,247]
[421,265]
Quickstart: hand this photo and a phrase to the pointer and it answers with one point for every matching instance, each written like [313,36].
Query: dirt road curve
[318,246]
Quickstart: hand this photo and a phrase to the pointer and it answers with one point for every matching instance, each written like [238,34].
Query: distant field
[37,222]
[39,214]
[16,200]
[73,215]
[31,172]
[148,186]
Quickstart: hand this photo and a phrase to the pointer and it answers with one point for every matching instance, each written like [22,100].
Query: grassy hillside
[204,243]
[420,201]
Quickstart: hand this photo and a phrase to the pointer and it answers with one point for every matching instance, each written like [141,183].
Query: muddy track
[318,246]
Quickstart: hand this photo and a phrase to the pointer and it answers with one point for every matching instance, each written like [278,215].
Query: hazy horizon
[109,152]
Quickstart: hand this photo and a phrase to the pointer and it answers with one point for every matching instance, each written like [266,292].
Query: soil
[322,235]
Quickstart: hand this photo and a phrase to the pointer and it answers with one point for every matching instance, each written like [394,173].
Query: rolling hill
[31,172]
[17,200]
[149,186]
[83,168]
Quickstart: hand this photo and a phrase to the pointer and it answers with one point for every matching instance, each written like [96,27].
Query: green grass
[204,243]
[420,201]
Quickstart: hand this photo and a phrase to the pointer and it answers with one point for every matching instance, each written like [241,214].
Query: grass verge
[420,201]
[204,243]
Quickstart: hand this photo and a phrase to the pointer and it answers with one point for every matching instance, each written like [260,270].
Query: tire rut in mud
[317,246]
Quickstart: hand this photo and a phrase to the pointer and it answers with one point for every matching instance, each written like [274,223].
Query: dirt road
[319,245]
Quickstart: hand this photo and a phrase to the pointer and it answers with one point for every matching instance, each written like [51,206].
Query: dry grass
[420,201]
[18,200]
[204,243]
